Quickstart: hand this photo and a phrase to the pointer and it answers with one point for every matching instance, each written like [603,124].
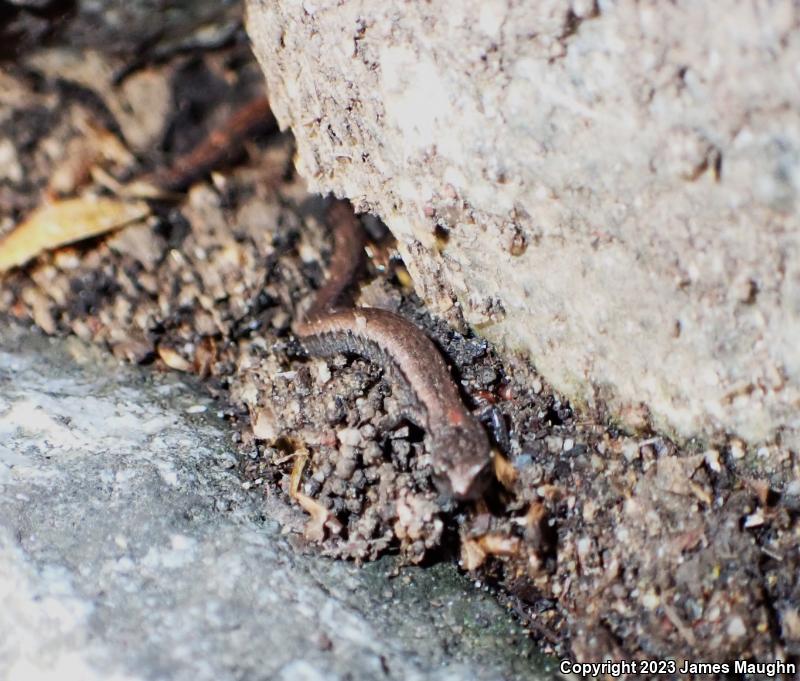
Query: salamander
[459,446]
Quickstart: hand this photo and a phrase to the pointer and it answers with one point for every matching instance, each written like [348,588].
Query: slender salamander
[458,443]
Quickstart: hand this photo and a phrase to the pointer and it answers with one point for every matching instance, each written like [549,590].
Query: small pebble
[711,458]
[349,436]
[736,450]
[488,376]
[280,320]
[754,520]
[323,372]
[736,627]
[630,450]
[345,467]
[651,600]
[523,461]
[196,409]
[554,443]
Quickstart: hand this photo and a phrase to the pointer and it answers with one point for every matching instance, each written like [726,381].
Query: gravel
[129,550]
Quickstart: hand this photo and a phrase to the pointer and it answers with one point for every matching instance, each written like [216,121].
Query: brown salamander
[458,443]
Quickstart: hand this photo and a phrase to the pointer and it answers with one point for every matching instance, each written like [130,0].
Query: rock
[610,187]
[130,551]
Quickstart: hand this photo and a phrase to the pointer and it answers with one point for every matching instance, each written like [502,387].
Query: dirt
[604,542]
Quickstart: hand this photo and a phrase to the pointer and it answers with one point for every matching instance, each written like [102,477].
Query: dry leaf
[65,222]
[499,545]
[264,424]
[533,522]
[95,145]
[297,471]
[535,515]
[760,488]
[505,472]
[135,189]
[142,189]
[204,355]
[475,551]
[321,517]
[173,360]
[472,555]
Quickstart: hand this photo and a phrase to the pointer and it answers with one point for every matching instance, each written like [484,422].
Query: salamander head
[461,459]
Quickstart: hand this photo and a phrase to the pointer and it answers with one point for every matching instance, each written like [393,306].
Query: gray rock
[129,550]
[610,187]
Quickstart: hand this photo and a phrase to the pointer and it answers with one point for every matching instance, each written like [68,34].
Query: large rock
[610,187]
[130,551]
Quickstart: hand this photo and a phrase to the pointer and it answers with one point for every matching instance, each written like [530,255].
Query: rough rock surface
[129,550]
[610,187]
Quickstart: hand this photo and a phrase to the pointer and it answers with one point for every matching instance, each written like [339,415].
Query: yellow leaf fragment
[142,189]
[65,222]
[321,517]
[495,544]
[475,551]
[504,471]
[173,360]
[297,471]
[472,555]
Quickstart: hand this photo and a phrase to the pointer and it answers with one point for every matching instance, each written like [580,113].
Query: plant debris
[65,222]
